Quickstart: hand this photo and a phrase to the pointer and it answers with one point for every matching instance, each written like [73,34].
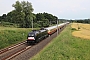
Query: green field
[10,36]
[65,47]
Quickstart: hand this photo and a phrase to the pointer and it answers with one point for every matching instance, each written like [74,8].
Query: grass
[83,32]
[65,47]
[10,36]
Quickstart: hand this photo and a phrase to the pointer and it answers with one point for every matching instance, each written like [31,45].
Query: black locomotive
[36,35]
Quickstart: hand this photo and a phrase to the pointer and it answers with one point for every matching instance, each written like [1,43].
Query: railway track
[36,48]
[11,47]
[12,51]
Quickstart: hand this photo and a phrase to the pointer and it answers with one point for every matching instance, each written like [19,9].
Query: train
[36,36]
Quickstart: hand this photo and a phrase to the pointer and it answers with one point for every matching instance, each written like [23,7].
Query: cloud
[62,8]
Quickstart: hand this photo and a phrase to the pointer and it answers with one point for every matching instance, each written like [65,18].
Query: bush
[78,28]
[8,24]
[73,29]
[9,37]
[36,25]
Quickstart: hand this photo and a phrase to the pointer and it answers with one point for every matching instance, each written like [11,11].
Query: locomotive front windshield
[31,34]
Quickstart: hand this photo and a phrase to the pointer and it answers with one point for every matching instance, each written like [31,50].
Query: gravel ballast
[36,48]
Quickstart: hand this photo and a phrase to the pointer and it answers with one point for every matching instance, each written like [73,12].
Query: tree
[18,15]
[23,13]
[52,19]
[27,10]
[0,18]
[4,17]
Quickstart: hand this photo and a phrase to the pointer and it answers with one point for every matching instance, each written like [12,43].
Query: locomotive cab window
[31,34]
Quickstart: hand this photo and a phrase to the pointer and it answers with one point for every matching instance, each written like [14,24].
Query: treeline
[23,16]
[45,19]
[81,21]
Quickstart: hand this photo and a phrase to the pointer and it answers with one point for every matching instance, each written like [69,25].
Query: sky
[63,9]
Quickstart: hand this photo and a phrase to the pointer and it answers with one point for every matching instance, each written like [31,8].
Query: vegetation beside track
[10,36]
[65,47]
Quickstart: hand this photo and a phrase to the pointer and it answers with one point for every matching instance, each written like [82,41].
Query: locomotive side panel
[35,37]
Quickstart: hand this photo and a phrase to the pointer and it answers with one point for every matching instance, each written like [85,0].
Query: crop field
[9,36]
[83,32]
[65,47]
